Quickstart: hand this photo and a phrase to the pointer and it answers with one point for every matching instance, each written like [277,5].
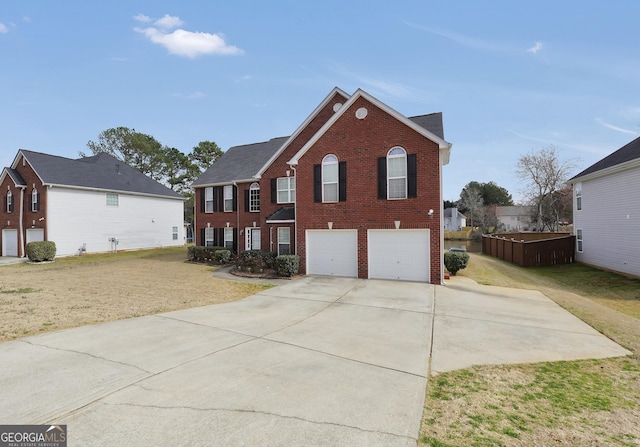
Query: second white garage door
[332,252]
[399,254]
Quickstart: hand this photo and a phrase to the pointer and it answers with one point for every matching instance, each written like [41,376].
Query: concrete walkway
[317,362]
[9,260]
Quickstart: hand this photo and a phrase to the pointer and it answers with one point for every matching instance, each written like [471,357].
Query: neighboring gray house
[514,218]
[606,211]
[454,220]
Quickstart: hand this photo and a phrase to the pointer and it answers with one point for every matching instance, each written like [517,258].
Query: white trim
[635,163]
[444,146]
[302,127]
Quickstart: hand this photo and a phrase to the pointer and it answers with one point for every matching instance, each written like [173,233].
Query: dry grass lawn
[582,403]
[97,288]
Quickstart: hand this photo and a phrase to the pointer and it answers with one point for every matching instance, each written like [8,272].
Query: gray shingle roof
[15,176]
[102,171]
[240,162]
[432,122]
[628,152]
[282,214]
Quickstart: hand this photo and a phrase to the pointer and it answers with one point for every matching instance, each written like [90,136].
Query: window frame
[289,190]
[174,233]
[254,198]
[330,161]
[208,231]
[9,208]
[391,156]
[578,196]
[287,244]
[208,199]
[579,240]
[228,231]
[227,201]
[35,200]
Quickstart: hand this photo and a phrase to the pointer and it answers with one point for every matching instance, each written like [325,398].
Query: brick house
[92,204]
[354,191]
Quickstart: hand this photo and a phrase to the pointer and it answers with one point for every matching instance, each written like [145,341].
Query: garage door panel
[332,252]
[399,254]
[9,242]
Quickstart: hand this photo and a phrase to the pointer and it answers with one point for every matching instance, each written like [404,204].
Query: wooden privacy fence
[531,249]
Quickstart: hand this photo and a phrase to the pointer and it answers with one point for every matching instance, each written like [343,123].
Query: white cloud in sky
[3,28]
[194,95]
[616,128]
[181,42]
[461,39]
[535,48]
[26,19]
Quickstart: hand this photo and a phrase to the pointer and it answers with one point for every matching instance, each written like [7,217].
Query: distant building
[515,218]
[454,220]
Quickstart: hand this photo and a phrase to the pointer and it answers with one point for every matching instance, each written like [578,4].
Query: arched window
[9,208]
[35,200]
[397,173]
[254,197]
[330,178]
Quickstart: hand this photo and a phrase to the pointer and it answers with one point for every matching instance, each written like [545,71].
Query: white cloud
[616,128]
[181,42]
[142,18]
[535,48]
[3,28]
[168,22]
[26,19]
[461,39]
[194,95]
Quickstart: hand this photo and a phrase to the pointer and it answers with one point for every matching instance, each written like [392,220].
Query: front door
[252,238]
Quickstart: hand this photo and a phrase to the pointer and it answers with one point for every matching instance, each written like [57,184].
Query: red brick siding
[30,219]
[360,143]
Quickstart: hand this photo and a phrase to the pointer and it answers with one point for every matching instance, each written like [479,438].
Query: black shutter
[30,202]
[202,241]
[274,190]
[202,199]
[234,197]
[213,199]
[221,198]
[246,200]
[382,178]
[317,183]
[215,238]
[220,237]
[342,181]
[412,175]
[235,240]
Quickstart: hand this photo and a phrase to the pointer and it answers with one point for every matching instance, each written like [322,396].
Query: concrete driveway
[318,362]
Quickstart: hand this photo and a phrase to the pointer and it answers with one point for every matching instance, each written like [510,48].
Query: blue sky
[510,77]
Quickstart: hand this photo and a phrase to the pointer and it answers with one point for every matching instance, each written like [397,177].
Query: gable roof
[14,176]
[627,153]
[432,122]
[102,171]
[239,163]
[445,147]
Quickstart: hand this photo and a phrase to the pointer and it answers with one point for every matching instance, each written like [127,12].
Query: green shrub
[255,260]
[223,256]
[198,253]
[41,251]
[455,260]
[287,265]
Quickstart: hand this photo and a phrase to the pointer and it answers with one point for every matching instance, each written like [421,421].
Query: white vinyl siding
[76,217]
[609,220]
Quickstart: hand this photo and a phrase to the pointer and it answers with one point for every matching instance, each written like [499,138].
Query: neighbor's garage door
[35,235]
[9,242]
[399,254]
[332,252]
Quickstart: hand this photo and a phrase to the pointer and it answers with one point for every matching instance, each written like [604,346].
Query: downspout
[20,223]
[441,229]
[295,211]
[237,219]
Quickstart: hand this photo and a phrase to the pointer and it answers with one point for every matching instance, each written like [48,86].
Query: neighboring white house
[91,204]
[606,211]
[454,220]
[514,218]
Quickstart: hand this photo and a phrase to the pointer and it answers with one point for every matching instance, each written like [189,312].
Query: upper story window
[35,200]
[228,198]
[208,200]
[330,178]
[397,173]
[254,198]
[112,199]
[578,196]
[9,207]
[286,189]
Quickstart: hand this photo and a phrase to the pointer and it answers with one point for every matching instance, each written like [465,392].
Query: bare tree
[544,175]
[471,201]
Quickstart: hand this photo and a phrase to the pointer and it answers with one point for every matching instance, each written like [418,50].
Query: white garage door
[399,254]
[9,242]
[35,235]
[332,252]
